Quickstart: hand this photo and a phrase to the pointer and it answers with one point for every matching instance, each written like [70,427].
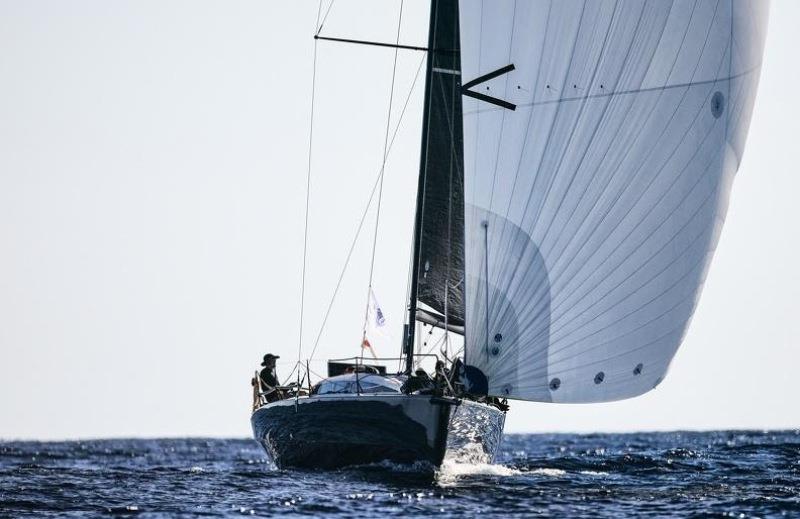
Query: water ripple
[712,474]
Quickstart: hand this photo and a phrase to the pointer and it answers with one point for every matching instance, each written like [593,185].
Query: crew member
[419,381]
[441,376]
[268,376]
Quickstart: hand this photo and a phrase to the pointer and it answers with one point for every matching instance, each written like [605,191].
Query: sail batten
[593,209]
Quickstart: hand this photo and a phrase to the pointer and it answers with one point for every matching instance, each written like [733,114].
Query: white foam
[548,472]
[451,472]
[456,469]
[470,460]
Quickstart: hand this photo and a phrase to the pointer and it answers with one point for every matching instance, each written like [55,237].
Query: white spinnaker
[593,209]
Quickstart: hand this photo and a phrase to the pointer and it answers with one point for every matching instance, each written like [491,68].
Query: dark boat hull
[331,432]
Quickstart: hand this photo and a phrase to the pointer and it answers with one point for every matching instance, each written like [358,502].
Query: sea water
[701,474]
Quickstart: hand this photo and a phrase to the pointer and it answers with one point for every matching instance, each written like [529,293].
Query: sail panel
[441,248]
[594,207]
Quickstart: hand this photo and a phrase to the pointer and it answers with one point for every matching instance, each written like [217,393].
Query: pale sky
[153,161]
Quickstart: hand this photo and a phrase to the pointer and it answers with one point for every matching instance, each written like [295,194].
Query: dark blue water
[711,474]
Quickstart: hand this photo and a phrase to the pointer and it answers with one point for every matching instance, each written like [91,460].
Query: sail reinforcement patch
[717,104]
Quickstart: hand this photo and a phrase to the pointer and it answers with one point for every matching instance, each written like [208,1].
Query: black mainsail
[437,276]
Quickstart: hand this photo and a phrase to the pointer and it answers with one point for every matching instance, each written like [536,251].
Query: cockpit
[358,383]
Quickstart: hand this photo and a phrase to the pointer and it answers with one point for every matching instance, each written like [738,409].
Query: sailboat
[576,163]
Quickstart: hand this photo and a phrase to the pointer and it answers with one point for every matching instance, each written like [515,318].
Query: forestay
[596,183]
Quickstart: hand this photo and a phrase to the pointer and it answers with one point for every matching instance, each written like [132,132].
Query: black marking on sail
[483,97]
[440,203]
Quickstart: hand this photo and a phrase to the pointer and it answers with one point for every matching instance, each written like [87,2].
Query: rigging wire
[383,168]
[405,308]
[322,23]
[454,94]
[308,190]
[364,213]
[435,344]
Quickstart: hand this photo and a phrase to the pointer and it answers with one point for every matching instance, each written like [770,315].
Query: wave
[621,464]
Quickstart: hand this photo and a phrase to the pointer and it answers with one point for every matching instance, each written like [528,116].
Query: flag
[376,326]
[380,320]
[365,345]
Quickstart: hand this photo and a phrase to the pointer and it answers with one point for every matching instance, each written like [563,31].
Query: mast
[439,209]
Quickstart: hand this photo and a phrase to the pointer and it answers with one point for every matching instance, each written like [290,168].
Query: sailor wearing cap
[269,378]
